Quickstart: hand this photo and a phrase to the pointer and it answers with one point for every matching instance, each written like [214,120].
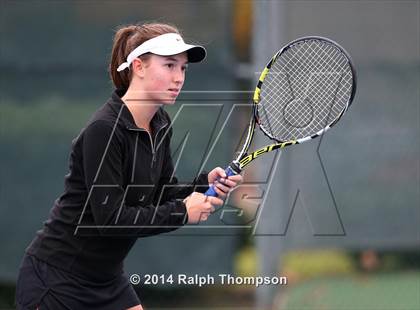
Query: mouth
[174,91]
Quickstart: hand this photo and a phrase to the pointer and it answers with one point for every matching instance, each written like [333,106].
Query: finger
[220,172]
[222,187]
[215,201]
[228,182]
[204,217]
[236,178]
[209,209]
[220,193]
[206,214]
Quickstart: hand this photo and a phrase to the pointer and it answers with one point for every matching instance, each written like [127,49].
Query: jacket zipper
[152,145]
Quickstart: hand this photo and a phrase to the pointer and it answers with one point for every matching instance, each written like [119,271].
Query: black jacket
[120,187]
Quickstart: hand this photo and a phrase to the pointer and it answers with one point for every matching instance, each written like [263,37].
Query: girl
[120,185]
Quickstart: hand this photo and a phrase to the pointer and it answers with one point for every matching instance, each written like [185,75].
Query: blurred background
[339,217]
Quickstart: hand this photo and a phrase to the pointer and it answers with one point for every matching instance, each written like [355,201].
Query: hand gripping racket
[302,92]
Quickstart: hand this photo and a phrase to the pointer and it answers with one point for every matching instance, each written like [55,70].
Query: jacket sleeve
[169,188]
[102,164]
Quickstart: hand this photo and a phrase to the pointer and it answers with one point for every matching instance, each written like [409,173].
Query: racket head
[304,90]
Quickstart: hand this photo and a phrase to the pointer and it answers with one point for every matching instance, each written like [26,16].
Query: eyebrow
[176,60]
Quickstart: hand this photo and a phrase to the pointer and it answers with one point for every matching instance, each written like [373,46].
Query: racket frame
[243,158]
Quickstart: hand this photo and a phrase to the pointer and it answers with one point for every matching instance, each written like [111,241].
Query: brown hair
[126,39]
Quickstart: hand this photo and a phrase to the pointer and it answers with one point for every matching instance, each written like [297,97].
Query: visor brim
[195,53]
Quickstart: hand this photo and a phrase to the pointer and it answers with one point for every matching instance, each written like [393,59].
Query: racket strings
[305,90]
[303,84]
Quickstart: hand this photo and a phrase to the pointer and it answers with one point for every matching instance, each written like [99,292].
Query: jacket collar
[119,107]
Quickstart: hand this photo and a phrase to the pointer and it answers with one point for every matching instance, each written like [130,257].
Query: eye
[170,65]
[184,68]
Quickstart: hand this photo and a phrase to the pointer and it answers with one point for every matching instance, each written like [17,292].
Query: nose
[179,76]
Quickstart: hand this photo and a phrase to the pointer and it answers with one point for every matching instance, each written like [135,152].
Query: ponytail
[126,39]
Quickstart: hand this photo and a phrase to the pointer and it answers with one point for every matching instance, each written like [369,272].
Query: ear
[138,66]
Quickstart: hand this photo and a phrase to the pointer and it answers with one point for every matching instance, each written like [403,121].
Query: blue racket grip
[211,192]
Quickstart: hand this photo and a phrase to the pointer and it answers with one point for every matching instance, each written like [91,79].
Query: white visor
[165,45]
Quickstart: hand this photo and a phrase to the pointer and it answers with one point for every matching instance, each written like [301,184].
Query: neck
[141,109]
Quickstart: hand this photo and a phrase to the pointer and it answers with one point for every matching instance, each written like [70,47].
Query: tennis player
[120,182]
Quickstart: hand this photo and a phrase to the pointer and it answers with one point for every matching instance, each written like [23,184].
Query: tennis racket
[303,91]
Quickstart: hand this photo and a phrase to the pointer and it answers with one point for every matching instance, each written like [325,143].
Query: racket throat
[246,159]
[235,167]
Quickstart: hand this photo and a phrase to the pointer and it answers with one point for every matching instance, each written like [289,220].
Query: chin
[169,101]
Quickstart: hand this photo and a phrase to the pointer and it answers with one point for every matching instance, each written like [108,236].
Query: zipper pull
[153,158]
